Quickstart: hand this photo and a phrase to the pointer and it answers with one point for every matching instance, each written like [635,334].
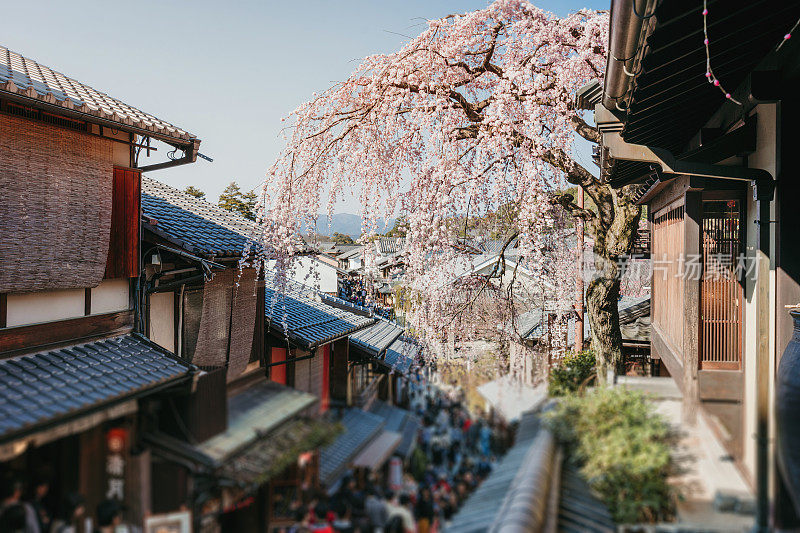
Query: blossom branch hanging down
[477,109]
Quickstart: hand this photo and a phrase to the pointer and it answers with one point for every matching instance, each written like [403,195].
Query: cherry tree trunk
[613,243]
[602,295]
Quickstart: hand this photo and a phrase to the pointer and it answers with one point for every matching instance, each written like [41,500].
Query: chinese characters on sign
[115,463]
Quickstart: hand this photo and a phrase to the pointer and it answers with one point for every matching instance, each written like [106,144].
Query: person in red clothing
[316,518]
[467,425]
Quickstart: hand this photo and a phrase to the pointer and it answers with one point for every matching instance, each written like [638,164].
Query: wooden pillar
[691,306]
[579,278]
[138,480]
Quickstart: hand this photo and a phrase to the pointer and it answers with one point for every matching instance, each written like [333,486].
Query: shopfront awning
[274,452]
[41,392]
[378,451]
[266,433]
[256,411]
[359,429]
[401,421]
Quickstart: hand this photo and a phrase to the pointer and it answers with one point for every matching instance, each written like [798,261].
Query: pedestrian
[400,508]
[424,510]
[16,515]
[377,513]
[68,518]
[39,502]
[109,516]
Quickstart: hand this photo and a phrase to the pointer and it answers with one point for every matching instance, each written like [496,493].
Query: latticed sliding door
[720,289]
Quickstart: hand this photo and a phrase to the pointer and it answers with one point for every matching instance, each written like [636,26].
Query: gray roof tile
[360,427]
[377,338]
[400,421]
[401,355]
[28,78]
[299,312]
[36,389]
[198,225]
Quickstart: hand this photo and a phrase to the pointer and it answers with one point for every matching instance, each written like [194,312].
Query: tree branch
[567,201]
[584,130]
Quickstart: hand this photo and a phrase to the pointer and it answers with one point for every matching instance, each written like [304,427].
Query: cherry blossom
[475,112]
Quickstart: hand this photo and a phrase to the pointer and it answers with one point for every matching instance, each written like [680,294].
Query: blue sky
[225,71]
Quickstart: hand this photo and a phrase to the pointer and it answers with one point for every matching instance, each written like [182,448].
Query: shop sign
[179,522]
[116,443]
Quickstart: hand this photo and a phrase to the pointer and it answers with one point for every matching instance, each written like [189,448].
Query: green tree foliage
[623,449]
[194,191]
[233,199]
[342,238]
[400,228]
[496,224]
[572,373]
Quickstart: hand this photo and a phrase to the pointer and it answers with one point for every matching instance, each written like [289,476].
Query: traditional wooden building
[77,377]
[237,448]
[717,173]
[376,430]
[308,337]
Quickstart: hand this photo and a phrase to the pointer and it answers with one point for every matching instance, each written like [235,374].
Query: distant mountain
[348,224]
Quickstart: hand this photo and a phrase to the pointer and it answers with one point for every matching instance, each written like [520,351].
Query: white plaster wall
[46,306]
[162,319]
[110,296]
[764,157]
[306,270]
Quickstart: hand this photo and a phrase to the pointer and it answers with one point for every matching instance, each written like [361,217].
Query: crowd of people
[454,454]
[353,290]
[33,510]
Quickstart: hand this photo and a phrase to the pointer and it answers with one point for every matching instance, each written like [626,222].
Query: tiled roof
[199,226]
[43,387]
[255,411]
[24,77]
[529,325]
[579,509]
[634,318]
[480,510]
[401,355]
[360,427]
[354,252]
[271,454]
[376,338]
[400,421]
[299,313]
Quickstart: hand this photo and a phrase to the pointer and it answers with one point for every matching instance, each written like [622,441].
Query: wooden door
[720,285]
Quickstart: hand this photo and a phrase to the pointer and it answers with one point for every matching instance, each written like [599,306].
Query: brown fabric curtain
[55,206]
[215,321]
[228,313]
[243,322]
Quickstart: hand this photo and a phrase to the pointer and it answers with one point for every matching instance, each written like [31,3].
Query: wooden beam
[671,359]
[19,338]
[3,310]
[691,309]
[87,301]
[721,385]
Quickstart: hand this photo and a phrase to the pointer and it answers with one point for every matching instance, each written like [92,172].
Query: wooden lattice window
[720,287]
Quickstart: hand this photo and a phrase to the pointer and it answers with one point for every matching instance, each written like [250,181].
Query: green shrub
[623,449]
[573,371]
